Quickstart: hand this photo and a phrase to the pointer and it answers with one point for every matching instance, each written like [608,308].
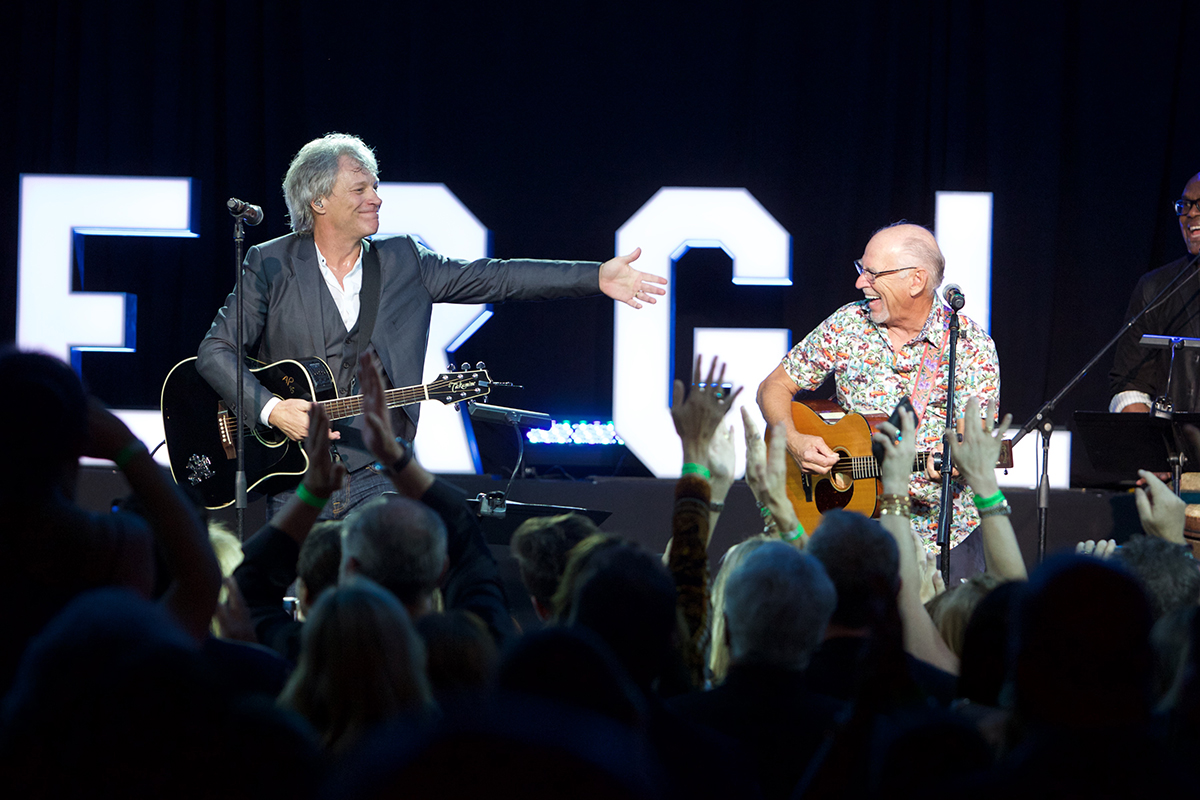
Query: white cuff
[1122,399]
[265,414]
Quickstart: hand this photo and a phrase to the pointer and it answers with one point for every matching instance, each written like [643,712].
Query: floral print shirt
[871,378]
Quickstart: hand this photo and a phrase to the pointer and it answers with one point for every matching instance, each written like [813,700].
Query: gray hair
[777,605]
[314,170]
[398,543]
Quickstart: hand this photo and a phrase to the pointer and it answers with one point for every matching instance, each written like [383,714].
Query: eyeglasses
[1184,205]
[872,275]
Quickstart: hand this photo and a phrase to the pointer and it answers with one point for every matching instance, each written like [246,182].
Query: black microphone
[954,297]
[252,214]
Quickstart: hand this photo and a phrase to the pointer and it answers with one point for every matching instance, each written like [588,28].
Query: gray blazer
[283,282]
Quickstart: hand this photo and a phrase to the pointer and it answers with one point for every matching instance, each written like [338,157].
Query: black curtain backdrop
[555,123]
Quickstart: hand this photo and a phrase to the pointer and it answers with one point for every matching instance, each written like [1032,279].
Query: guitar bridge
[225,425]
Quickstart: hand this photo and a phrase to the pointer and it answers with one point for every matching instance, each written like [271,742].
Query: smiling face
[892,297]
[351,211]
[1189,223]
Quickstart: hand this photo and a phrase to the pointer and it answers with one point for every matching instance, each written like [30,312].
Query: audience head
[952,609]
[53,428]
[1081,653]
[627,597]
[572,667]
[461,653]
[399,544]
[1168,573]
[983,669]
[361,662]
[578,560]
[777,604]
[862,560]
[541,545]
[113,699]
[718,652]
[319,561]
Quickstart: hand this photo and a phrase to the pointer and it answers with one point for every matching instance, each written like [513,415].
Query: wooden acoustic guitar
[853,482]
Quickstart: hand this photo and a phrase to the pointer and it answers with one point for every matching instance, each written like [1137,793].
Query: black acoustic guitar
[202,434]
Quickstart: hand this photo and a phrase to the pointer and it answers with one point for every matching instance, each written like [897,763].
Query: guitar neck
[345,407]
[859,467]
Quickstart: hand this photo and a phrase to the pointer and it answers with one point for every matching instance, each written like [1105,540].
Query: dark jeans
[359,487]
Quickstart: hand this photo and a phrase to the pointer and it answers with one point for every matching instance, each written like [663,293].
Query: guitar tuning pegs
[480,365]
[465,366]
[450,368]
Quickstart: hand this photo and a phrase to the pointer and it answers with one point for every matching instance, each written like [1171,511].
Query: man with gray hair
[892,343]
[318,292]
[400,544]
[777,604]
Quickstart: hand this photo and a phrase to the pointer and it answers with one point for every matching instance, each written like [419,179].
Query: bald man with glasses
[1139,374]
[892,343]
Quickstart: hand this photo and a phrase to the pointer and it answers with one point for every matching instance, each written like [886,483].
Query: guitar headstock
[458,386]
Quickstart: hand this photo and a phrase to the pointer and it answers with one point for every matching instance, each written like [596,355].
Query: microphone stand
[946,512]
[1041,417]
[239,239]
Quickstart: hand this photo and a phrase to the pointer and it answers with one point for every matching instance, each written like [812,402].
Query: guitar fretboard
[860,467]
[344,407]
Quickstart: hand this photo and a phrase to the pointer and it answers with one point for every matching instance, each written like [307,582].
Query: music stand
[1163,407]
[499,528]
[1125,443]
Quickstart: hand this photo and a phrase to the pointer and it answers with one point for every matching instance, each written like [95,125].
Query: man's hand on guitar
[291,417]
[811,452]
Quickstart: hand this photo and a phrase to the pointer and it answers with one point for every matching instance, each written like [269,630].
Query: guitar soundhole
[829,496]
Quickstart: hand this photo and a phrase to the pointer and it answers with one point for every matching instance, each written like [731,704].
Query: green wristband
[988,502]
[128,452]
[310,499]
[799,532]
[695,469]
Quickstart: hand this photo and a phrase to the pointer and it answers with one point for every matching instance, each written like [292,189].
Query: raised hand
[697,415]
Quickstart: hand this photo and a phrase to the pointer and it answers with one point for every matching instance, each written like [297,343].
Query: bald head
[914,246]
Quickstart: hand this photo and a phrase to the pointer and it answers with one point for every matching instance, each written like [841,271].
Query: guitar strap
[368,295]
[927,375]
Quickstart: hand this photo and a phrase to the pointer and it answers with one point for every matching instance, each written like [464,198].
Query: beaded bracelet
[898,504]
[310,499]
[695,469]
[127,453]
[987,502]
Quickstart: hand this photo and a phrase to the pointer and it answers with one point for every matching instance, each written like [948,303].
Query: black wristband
[405,456]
